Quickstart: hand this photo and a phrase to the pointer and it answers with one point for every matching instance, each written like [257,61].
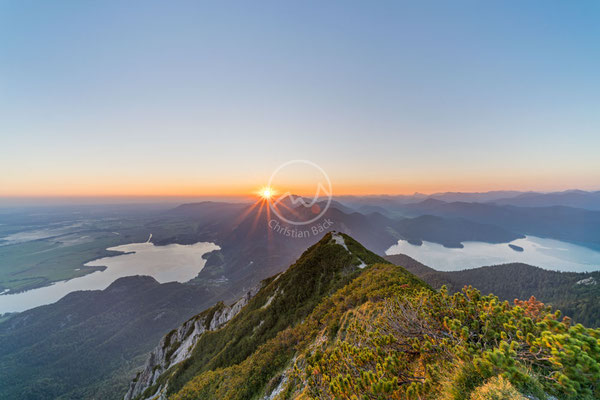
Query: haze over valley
[460,236]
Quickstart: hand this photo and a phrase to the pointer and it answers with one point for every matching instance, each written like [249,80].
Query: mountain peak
[339,247]
[283,301]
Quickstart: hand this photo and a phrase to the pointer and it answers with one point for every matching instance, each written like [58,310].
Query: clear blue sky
[152,97]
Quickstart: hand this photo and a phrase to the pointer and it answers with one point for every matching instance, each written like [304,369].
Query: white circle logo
[300,210]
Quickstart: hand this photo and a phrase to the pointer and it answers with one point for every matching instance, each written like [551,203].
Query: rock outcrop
[178,345]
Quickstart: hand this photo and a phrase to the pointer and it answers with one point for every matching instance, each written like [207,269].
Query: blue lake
[545,253]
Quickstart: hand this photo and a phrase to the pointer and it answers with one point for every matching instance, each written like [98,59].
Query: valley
[68,251]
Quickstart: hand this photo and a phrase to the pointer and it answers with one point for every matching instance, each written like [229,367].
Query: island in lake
[515,247]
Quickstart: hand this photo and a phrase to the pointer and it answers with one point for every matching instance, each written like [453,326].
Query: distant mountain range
[569,198]
[251,250]
[589,200]
[570,224]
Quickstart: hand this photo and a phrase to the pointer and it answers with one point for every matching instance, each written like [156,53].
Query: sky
[182,98]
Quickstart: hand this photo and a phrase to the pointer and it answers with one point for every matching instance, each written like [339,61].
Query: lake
[545,253]
[169,263]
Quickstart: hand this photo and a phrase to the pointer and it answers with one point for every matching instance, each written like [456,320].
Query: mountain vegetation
[326,329]
[285,300]
[575,294]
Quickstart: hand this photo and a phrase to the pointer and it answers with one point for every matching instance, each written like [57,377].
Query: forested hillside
[385,334]
[87,344]
[575,294]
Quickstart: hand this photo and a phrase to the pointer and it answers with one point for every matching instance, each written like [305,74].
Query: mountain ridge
[322,268]
[384,333]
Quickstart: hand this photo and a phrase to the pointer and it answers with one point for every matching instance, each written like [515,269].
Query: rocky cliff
[178,344]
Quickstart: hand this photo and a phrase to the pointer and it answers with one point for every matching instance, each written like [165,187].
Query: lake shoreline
[168,263]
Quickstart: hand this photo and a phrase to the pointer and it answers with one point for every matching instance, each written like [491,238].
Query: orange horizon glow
[247,182]
[254,191]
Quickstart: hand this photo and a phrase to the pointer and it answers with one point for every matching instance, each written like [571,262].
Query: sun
[266,193]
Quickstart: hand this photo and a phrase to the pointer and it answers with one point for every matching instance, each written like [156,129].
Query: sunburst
[266,193]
